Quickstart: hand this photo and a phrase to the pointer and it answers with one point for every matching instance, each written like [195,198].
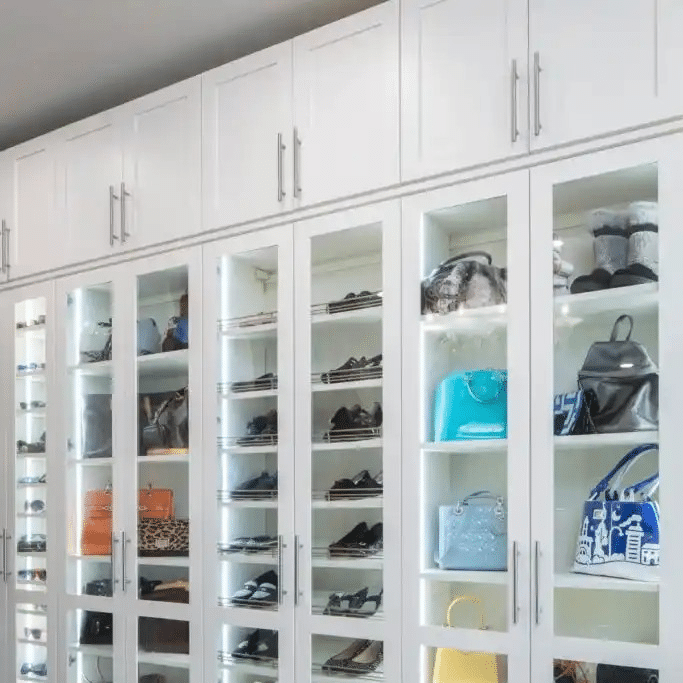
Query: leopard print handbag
[163,537]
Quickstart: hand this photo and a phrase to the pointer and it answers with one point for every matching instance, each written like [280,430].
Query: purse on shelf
[97,426]
[169,591]
[471,405]
[155,503]
[163,537]
[97,628]
[97,522]
[619,535]
[625,382]
[469,280]
[611,673]
[101,587]
[164,426]
[571,413]
[473,534]
[456,666]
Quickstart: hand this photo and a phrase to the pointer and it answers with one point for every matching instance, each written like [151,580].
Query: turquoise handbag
[471,405]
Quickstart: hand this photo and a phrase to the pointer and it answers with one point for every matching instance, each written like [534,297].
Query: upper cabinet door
[31,243]
[5,215]
[463,91]
[247,131]
[598,76]
[161,195]
[346,106]
[90,171]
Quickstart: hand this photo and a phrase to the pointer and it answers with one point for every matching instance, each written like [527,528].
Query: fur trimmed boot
[643,247]
[610,247]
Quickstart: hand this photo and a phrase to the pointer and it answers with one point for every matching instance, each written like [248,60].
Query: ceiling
[62,60]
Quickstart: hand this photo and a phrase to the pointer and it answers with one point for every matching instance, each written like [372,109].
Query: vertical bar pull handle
[297,548]
[6,249]
[297,163]
[124,193]
[124,579]
[280,546]
[280,167]
[514,78]
[537,94]
[515,582]
[3,261]
[114,541]
[537,599]
[8,538]
[112,235]
[4,558]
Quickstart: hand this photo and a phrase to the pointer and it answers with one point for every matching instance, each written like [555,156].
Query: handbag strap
[467,255]
[625,462]
[645,488]
[502,382]
[615,330]
[465,598]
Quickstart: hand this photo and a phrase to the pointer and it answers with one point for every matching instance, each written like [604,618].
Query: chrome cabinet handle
[515,582]
[112,235]
[514,77]
[297,163]
[6,251]
[537,600]
[124,194]
[114,541]
[537,94]
[297,548]
[124,579]
[5,556]
[280,169]
[280,563]
[3,265]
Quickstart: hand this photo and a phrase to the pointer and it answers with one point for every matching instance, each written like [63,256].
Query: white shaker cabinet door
[33,241]
[247,130]
[463,88]
[162,172]
[90,171]
[593,68]
[346,106]
[5,217]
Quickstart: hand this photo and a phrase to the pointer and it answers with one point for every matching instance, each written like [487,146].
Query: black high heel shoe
[369,606]
[342,604]
[349,544]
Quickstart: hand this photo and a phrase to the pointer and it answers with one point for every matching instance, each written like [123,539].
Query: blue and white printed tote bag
[619,533]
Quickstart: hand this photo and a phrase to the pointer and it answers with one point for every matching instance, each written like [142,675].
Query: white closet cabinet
[594,68]
[463,88]
[247,137]
[346,107]
[5,207]
[130,177]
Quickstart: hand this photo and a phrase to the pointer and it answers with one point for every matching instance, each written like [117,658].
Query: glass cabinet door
[348,436]
[250,479]
[602,436]
[465,430]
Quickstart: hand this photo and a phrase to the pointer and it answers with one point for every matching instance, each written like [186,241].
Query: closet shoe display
[361,486]
[355,370]
[355,423]
[339,661]
[249,544]
[359,604]
[263,383]
[361,541]
[35,447]
[642,264]
[257,488]
[258,592]
[367,660]
[32,543]
[259,645]
[352,302]
[261,430]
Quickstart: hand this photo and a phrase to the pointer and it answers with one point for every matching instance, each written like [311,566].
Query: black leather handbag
[97,426]
[100,587]
[610,673]
[164,421]
[97,629]
[625,382]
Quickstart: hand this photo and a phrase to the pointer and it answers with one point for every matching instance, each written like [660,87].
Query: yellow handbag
[455,666]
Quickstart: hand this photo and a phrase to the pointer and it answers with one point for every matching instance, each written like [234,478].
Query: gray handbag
[625,383]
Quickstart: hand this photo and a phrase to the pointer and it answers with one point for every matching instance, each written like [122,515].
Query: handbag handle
[468,383]
[613,336]
[646,488]
[465,598]
[631,456]
[468,255]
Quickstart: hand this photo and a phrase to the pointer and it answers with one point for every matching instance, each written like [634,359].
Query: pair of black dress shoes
[363,603]
[260,645]
[249,544]
[354,370]
[261,430]
[355,423]
[262,383]
[361,486]
[258,592]
[353,301]
[361,541]
[257,488]
[359,658]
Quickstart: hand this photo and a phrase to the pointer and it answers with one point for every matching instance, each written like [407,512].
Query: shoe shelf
[325,445]
[457,576]
[474,446]
[260,326]
[248,442]
[251,504]
[90,558]
[252,666]
[468,321]
[103,368]
[320,600]
[30,329]
[636,298]
[183,459]
[248,558]
[588,582]
[90,462]
[582,442]
[93,650]
[350,504]
[170,659]
[260,606]
[163,561]
[245,395]
[164,365]
[347,385]
[360,315]
[320,676]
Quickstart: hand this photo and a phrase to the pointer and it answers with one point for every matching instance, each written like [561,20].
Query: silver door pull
[297,548]
[514,78]
[124,193]
[112,235]
[297,163]
[3,260]
[114,580]
[515,582]
[280,167]
[280,564]
[6,571]
[537,599]
[4,558]
[124,579]
[537,94]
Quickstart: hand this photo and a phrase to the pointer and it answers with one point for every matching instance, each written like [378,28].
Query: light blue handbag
[473,534]
[471,405]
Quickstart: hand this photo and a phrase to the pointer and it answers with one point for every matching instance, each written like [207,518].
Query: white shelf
[635,298]
[360,315]
[597,441]
[473,446]
[31,456]
[175,459]
[29,329]
[588,582]
[165,561]
[36,413]
[35,553]
[265,331]
[91,462]
[348,386]
[351,504]
[169,364]
[103,368]
[177,661]
[33,374]
[457,576]
[251,504]
[248,558]
[93,650]
[30,486]
[246,450]
[467,321]
[26,641]
[347,563]
[90,558]
[243,395]
[30,515]
[346,445]
[249,668]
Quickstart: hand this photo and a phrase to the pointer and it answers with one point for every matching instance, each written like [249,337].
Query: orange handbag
[97,522]
[155,503]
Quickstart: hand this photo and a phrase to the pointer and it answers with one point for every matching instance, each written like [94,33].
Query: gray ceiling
[62,60]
